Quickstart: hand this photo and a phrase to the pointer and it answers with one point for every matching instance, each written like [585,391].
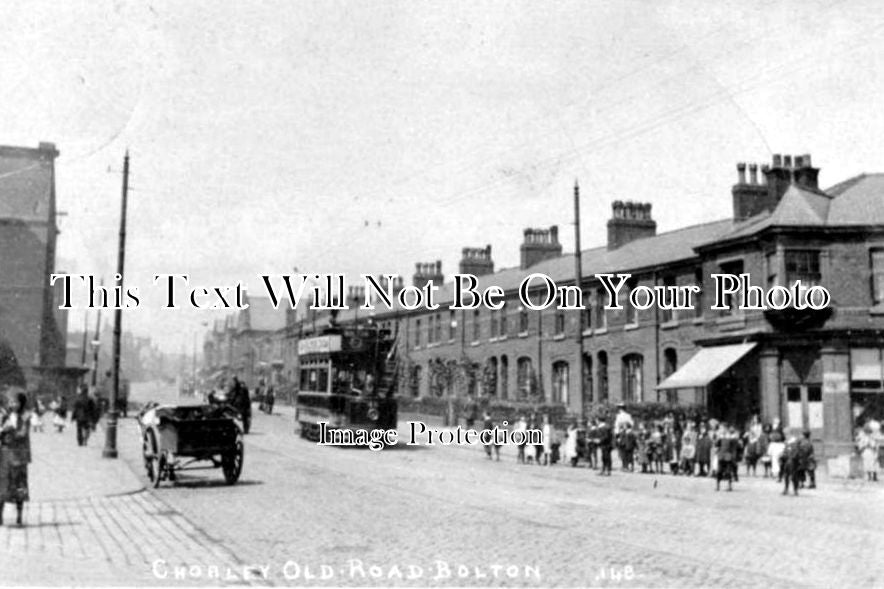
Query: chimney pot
[787,161]
[741,173]
[807,163]
[777,161]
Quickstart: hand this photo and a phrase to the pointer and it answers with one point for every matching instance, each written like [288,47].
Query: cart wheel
[231,463]
[151,458]
[161,468]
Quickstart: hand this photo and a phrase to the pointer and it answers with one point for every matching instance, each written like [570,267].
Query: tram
[347,380]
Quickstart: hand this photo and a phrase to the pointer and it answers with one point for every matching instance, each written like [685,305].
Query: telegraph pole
[578,280]
[96,344]
[110,442]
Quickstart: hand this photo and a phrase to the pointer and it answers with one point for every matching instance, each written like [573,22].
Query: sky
[362,137]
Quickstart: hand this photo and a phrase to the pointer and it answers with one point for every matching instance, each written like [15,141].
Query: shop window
[878,276]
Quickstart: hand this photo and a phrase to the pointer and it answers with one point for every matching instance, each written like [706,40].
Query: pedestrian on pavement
[569,453]
[752,454]
[807,460]
[488,424]
[868,446]
[37,417]
[270,399]
[592,443]
[670,451]
[764,450]
[789,465]
[704,452]
[775,448]
[688,449]
[522,427]
[15,454]
[547,441]
[83,414]
[656,449]
[630,441]
[606,443]
[727,451]
[641,448]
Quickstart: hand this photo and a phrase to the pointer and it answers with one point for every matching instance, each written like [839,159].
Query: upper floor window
[632,378]
[477,327]
[417,333]
[501,323]
[667,315]
[731,301]
[698,300]
[878,276]
[803,265]
[631,312]
[523,321]
[560,323]
[452,325]
[587,310]
[601,299]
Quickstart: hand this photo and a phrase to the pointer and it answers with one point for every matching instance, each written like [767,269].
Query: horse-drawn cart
[176,437]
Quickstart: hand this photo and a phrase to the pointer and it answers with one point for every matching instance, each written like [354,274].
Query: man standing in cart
[238,397]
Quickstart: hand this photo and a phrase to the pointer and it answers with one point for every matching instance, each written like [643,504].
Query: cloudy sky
[366,136]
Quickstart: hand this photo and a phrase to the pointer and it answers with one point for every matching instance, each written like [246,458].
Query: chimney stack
[752,198]
[539,245]
[630,221]
[476,261]
[427,271]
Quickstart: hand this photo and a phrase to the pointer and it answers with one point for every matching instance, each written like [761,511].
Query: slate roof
[663,248]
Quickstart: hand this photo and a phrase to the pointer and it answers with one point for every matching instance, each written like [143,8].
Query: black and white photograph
[391,293]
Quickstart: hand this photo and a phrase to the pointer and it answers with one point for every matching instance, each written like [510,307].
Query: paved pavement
[90,523]
[416,516]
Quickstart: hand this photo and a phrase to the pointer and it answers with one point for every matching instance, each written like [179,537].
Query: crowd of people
[669,446]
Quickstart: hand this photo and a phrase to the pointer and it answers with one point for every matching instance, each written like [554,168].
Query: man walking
[806,461]
[83,414]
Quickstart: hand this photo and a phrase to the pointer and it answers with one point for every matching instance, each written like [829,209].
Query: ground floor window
[632,378]
[560,382]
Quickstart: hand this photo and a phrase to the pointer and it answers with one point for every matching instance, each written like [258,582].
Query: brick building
[32,328]
[817,370]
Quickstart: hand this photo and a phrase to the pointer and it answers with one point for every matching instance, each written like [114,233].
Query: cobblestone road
[309,515]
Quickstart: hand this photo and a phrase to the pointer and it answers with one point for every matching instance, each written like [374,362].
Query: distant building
[32,328]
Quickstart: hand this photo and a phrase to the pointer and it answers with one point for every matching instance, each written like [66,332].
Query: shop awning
[705,366]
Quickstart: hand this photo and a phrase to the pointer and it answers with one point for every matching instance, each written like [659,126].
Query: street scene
[300,507]
[419,294]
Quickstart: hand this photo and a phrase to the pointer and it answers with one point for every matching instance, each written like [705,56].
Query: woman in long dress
[867,444]
[570,453]
[15,454]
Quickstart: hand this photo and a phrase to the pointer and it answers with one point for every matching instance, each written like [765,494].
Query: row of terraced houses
[816,370]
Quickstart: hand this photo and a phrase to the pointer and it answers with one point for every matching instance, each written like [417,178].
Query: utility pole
[578,280]
[85,342]
[110,445]
[96,344]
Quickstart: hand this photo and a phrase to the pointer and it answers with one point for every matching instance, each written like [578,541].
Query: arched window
[603,376]
[632,378]
[490,376]
[670,365]
[587,379]
[524,377]
[560,382]
[504,377]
